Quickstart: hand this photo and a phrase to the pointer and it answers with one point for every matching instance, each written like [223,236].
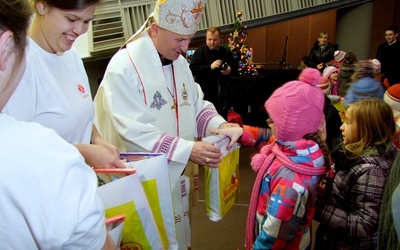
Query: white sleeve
[52,200]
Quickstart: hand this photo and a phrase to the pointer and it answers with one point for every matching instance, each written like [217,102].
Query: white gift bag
[222,183]
[126,196]
[152,170]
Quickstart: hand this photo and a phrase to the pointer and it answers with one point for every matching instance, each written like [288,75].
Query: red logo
[81,90]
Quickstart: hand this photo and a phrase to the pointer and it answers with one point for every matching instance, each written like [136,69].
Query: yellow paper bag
[222,183]
[126,196]
[152,169]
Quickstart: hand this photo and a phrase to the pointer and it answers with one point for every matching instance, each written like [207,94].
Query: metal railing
[116,20]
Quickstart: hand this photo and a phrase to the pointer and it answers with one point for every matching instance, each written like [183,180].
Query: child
[392,97]
[347,69]
[331,73]
[332,117]
[349,216]
[338,59]
[364,85]
[303,63]
[289,169]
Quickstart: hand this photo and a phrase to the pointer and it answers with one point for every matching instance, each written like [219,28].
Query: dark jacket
[325,55]
[214,84]
[389,57]
[349,218]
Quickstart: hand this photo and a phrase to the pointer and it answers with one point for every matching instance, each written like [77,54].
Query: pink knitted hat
[328,71]
[296,108]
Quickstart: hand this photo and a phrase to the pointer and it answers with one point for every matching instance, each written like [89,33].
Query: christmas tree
[241,51]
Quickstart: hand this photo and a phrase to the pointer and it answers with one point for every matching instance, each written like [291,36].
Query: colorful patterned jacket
[284,194]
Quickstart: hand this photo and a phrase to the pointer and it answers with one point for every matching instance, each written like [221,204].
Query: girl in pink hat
[289,169]
[331,73]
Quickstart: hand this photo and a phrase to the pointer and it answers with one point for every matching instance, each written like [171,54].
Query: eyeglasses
[391,34]
[270,122]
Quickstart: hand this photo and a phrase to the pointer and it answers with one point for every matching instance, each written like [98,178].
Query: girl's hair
[316,136]
[68,4]
[375,126]
[350,58]
[15,16]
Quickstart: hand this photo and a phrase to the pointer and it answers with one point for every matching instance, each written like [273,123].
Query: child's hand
[234,133]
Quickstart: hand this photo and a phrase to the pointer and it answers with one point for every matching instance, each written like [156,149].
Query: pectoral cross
[173,105]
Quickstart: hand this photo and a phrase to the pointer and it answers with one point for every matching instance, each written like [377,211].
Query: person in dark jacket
[388,55]
[212,66]
[322,52]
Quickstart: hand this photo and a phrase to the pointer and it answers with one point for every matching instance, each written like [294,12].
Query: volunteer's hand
[98,156]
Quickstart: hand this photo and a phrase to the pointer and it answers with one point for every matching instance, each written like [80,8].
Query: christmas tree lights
[237,45]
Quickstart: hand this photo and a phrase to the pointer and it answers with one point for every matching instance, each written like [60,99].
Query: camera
[224,66]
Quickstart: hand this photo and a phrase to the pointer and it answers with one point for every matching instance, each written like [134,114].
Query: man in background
[322,52]
[212,65]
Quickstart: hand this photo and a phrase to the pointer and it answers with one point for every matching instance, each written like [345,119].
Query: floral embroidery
[158,101]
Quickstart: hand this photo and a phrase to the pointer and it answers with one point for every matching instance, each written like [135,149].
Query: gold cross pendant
[173,105]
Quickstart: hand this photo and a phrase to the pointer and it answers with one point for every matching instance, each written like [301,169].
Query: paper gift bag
[126,196]
[222,183]
[114,227]
[152,170]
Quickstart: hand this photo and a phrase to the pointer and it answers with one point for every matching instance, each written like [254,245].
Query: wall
[354,29]
[301,32]
[268,42]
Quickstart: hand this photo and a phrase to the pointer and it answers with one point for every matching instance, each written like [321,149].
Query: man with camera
[212,65]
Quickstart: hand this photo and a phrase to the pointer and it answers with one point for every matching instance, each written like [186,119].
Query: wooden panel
[298,41]
[257,40]
[268,42]
[302,33]
[276,36]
